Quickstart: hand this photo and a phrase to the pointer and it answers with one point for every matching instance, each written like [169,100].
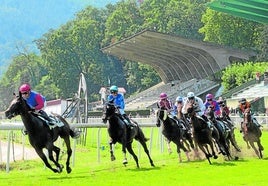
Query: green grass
[248,170]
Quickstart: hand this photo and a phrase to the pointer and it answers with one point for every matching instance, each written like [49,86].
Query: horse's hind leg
[69,154]
[130,150]
[44,158]
[255,149]
[143,143]
[260,148]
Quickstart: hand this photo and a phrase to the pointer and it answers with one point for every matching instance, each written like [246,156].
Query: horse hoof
[69,170]
[59,169]
[125,162]
[236,158]
[112,158]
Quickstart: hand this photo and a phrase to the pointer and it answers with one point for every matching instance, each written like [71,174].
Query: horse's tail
[141,135]
[73,133]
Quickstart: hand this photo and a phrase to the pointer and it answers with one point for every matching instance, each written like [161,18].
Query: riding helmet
[114,88]
[163,95]
[179,99]
[25,88]
[243,100]
[209,96]
[190,95]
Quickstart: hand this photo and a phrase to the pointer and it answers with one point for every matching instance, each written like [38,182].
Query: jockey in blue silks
[119,102]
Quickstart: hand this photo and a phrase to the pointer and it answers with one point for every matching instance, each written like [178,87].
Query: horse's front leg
[168,146]
[111,144]
[51,157]
[44,158]
[124,152]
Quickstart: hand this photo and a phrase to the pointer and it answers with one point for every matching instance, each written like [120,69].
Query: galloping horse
[201,133]
[172,131]
[229,123]
[252,133]
[119,132]
[40,135]
[223,133]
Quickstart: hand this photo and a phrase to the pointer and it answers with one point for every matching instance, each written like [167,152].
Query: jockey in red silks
[166,104]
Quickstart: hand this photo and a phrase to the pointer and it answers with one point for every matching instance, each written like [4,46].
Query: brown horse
[228,122]
[223,132]
[201,133]
[252,133]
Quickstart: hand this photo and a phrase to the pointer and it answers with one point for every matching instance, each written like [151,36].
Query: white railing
[11,126]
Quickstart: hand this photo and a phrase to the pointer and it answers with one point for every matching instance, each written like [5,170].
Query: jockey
[177,110]
[198,106]
[224,109]
[35,100]
[243,105]
[119,102]
[166,104]
[178,105]
[212,103]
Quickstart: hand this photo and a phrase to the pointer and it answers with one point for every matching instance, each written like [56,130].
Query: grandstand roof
[255,10]
[175,58]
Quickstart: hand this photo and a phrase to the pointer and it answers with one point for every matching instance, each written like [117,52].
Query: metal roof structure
[255,10]
[175,58]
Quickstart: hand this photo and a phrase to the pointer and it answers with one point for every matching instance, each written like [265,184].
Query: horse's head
[16,107]
[162,114]
[190,109]
[247,115]
[210,112]
[109,109]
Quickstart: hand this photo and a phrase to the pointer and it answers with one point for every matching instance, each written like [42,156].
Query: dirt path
[29,153]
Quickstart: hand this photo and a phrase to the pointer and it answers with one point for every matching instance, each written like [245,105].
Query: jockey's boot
[182,126]
[129,124]
[24,131]
[158,123]
[210,125]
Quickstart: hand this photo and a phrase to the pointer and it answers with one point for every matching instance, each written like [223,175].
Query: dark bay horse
[40,135]
[173,133]
[252,133]
[119,132]
[223,133]
[228,122]
[201,133]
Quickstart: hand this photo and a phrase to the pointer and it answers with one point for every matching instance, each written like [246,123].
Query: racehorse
[40,135]
[223,133]
[201,133]
[252,133]
[119,132]
[229,123]
[173,132]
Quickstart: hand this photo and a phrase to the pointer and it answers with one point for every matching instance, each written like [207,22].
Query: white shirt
[198,104]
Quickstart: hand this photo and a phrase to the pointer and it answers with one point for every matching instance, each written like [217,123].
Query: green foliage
[227,30]
[239,73]
[75,47]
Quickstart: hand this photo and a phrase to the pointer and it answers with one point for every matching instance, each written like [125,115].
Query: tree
[227,30]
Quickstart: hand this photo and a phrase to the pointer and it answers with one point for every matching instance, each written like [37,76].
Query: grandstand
[148,98]
[251,93]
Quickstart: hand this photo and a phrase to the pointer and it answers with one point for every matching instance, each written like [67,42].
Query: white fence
[93,123]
